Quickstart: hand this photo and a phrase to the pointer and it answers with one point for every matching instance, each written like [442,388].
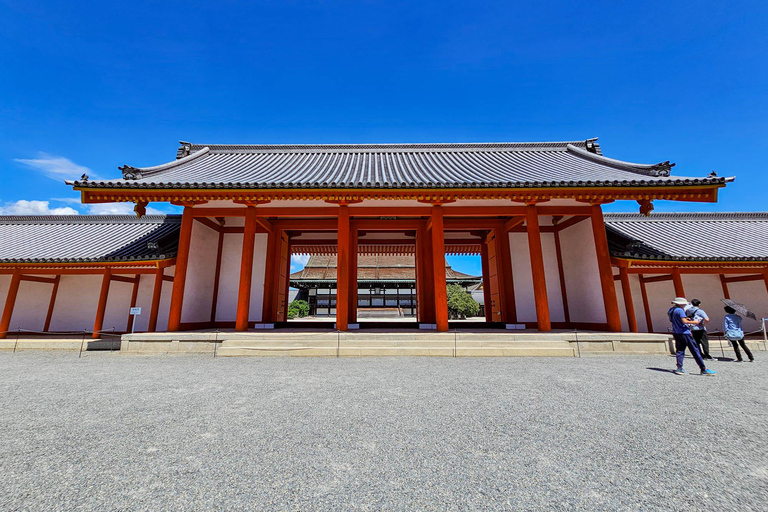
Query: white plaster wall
[76,303]
[229,280]
[660,296]
[257,282]
[552,273]
[620,299]
[523,278]
[201,271]
[582,277]
[165,302]
[31,306]
[144,301]
[637,300]
[5,283]
[118,303]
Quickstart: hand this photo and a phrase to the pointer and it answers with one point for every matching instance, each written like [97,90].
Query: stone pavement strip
[116,432]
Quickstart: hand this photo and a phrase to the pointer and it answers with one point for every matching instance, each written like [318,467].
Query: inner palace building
[532,212]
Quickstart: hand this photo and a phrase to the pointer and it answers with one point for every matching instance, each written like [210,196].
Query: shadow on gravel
[665,370]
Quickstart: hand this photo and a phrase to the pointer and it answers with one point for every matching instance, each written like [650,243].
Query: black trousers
[744,346]
[702,341]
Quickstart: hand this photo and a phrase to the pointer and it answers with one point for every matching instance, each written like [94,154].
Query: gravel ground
[111,431]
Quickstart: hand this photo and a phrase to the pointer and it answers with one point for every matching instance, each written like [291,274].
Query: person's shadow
[664,370]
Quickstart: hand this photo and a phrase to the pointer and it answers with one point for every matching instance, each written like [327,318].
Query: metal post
[215,343]
[81,345]
[722,352]
[578,348]
[765,335]
[338,341]
[18,331]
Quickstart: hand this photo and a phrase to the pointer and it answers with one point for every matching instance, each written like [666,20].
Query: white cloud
[298,261]
[56,167]
[23,207]
[117,209]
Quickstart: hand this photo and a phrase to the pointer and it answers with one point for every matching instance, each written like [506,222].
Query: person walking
[735,334]
[683,337]
[699,330]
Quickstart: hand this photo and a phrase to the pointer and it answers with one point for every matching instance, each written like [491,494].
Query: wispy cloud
[298,261]
[56,167]
[117,209]
[24,207]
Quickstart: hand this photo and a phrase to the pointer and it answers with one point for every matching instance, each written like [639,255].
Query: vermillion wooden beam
[265,224]
[157,291]
[51,303]
[98,323]
[513,223]
[743,279]
[629,306]
[342,269]
[486,281]
[209,223]
[37,279]
[217,277]
[677,280]
[561,274]
[123,279]
[505,275]
[724,284]
[654,279]
[218,212]
[246,270]
[438,266]
[180,274]
[606,272]
[10,302]
[646,306]
[570,222]
[537,269]
[134,297]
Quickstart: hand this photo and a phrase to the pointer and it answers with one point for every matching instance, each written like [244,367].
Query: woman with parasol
[732,327]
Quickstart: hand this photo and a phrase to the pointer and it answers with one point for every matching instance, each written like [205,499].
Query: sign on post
[135,311]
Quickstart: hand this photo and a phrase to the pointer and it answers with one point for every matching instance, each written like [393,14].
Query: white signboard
[135,311]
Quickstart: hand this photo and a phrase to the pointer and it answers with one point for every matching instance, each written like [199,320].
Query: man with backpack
[683,338]
[699,330]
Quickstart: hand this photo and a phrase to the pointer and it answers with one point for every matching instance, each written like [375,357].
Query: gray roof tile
[689,236]
[87,238]
[487,165]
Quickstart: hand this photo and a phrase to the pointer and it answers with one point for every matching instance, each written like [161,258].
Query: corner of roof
[661,169]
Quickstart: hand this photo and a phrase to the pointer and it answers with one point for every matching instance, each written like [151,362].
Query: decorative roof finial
[84,177]
[712,174]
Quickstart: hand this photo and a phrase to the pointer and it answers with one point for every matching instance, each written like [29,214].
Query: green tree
[460,302]
[298,308]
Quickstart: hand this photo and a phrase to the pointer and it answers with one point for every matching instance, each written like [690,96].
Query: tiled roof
[689,236]
[87,238]
[409,166]
[370,268]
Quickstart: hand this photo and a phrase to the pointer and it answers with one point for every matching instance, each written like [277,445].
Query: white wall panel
[76,303]
[31,306]
[201,271]
[582,276]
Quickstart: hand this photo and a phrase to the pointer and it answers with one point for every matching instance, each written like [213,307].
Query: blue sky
[88,86]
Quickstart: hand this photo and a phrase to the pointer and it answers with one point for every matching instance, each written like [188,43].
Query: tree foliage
[298,308]
[460,302]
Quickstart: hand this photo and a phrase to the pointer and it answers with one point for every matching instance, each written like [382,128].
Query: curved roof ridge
[659,169]
[88,219]
[135,173]
[631,216]
[546,145]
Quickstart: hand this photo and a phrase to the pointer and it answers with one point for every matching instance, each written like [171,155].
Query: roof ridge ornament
[130,173]
[185,149]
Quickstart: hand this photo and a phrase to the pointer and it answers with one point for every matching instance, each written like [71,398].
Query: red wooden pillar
[486,280]
[561,273]
[765,279]
[438,269]
[134,297]
[52,303]
[342,269]
[606,272]
[504,273]
[102,306]
[427,293]
[10,302]
[537,268]
[628,304]
[217,277]
[724,284]
[353,276]
[157,291]
[646,306]
[246,270]
[677,280]
[180,274]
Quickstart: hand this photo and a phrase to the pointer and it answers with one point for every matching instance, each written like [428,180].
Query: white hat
[680,301]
